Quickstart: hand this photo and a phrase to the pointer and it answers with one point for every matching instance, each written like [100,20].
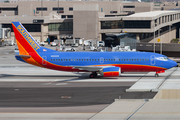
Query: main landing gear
[93,75]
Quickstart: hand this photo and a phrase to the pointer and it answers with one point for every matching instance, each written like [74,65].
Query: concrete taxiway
[33,93]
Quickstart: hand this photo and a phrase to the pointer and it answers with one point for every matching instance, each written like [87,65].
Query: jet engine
[111,72]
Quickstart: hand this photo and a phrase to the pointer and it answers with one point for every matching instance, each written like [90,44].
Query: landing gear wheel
[93,75]
[156,75]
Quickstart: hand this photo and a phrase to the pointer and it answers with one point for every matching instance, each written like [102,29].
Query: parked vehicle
[8,42]
[100,43]
[59,42]
[70,41]
[42,43]
[53,44]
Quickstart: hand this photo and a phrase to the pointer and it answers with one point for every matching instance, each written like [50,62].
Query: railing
[166,47]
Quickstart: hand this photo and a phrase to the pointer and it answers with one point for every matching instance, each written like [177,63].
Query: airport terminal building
[91,19]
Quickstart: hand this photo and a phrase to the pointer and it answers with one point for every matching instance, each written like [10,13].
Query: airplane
[106,64]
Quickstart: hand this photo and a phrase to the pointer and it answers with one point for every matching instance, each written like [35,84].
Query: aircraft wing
[91,68]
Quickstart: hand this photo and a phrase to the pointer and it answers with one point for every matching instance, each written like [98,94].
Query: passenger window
[106,59]
[66,59]
[74,59]
[92,59]
[61,59]
[87,59]
[98,59]
[71,59]
[95,59]
[51,59]
[84,59]
[79,59]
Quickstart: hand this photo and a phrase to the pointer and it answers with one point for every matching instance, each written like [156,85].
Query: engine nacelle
[111,72]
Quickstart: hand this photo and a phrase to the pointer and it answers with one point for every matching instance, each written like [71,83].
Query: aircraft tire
[156,75]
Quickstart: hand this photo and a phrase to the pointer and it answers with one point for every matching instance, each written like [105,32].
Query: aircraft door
[44,60]
[101,60]
[153,62]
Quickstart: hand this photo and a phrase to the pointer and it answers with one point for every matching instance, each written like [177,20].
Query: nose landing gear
[156,75]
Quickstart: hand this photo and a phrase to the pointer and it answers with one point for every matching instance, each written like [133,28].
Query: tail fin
[28,47]
[25,41]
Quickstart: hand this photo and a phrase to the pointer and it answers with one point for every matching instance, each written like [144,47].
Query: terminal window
[29,27]
[128,6]
[111,24]
[137,24]
[69,16]
[57,8]
[9,9]
[70,8]
[41,9]
[113,11]
[65,26]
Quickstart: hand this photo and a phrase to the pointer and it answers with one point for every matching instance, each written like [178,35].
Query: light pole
[58,7]
[41,7]
[161,42]
[170,32]
[154,36]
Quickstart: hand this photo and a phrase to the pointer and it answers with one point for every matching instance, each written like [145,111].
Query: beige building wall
[86,21]
[166,38]
[27,7]
[44,31]
[168,94]
[139,7]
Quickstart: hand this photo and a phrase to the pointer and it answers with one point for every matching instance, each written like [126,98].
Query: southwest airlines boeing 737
[107,64]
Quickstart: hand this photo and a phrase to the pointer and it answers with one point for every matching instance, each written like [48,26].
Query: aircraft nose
[173,63]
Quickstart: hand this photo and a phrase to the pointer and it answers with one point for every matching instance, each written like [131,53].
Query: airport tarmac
[33,93]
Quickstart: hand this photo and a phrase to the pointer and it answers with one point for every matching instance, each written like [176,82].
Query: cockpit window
[163,58]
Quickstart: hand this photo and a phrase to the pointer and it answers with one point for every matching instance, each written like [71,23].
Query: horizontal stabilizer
[25,56]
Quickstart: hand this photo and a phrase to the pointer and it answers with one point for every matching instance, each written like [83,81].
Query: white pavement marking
[149,83]
[173,82]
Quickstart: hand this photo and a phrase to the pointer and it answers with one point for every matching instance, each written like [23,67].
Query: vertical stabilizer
[25,41]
